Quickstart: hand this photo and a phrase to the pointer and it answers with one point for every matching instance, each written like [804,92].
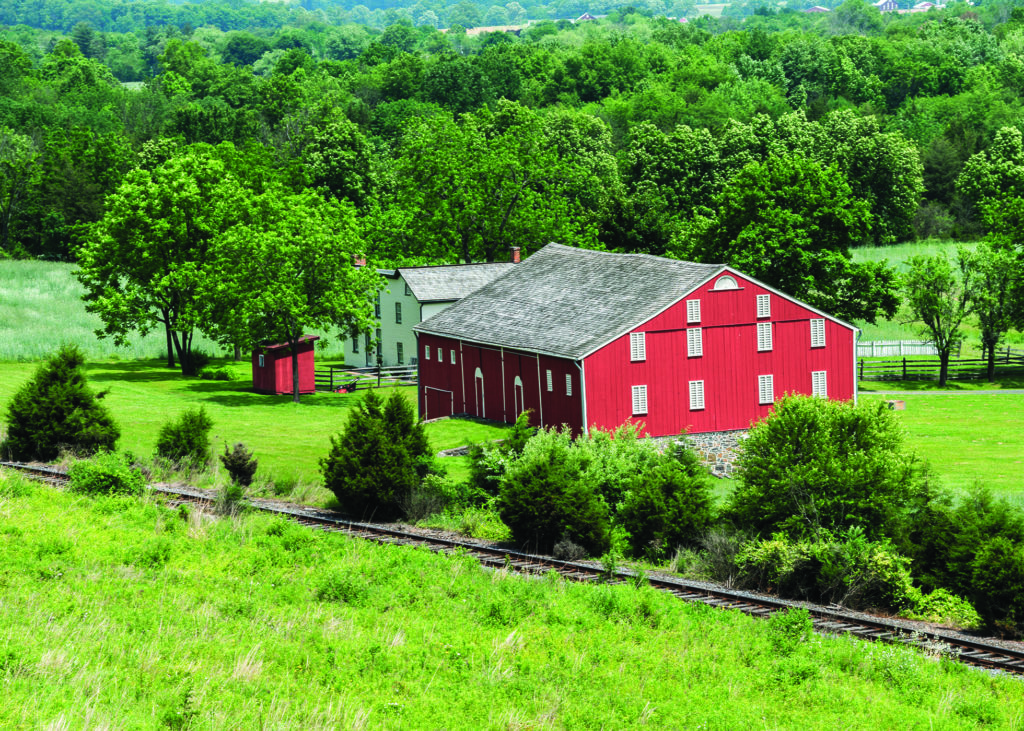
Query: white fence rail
[876,348]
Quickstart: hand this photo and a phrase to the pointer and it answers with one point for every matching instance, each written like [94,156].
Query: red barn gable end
[272,367]
[592,339]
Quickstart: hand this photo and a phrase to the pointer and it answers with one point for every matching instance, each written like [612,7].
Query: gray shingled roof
[568,302]
[446,283]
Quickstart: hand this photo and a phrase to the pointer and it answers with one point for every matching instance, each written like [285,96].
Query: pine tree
[57,410]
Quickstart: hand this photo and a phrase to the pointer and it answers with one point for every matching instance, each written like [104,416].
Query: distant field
[897,329]
[41,308]
[287,438]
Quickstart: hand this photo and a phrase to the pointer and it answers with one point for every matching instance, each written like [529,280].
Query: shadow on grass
[137,372]
[964,386]
[240,393]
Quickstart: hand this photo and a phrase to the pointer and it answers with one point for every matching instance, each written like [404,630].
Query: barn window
[764,336]
[637,346]
[453,356]
[440,355]
[819,384]
[694,342]
[696,395]
[692,311]
[725,282]
[355,343]
[261,360]
[817,333]
[639,400]
[398,313]
[764,305]
[426,356]
[400,350]
[568,384]
[766,389]
[550,382]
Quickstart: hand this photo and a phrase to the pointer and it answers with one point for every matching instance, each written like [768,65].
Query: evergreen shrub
[186,441]
[378,459]
[107,473]
[57,410]
[240,464]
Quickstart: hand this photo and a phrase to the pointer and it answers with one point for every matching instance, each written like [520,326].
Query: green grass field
[117,613]
[287,438]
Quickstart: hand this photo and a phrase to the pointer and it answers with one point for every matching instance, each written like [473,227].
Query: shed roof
[448,283]
[303,339]
[568,302]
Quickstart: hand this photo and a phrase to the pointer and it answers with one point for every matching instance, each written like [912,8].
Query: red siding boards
[496,383]
[275,375]
[729,367]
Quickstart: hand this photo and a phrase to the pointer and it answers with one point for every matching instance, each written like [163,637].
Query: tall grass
[41,308]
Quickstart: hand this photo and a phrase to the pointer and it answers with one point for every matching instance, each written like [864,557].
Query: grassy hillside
[41,308]
[118,613]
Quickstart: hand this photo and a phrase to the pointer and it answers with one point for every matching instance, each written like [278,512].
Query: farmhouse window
[692,311]
[817,333]
[261,360]
[551,384]
[426,355]
[407,290]
[376,308]
[398,313]
[366,343]
[696,395]
[355,343]
[453,356]
[637,346]
[568,384]
[400,351]
[694,342]
[764,336]
[819,384]
[639,400]
[766,389]
[764,305]
[725,282]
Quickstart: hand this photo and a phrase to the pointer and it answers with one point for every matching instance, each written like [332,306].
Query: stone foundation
[718,450]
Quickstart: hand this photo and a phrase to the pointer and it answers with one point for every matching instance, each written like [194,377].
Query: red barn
[592,339]
[272,367]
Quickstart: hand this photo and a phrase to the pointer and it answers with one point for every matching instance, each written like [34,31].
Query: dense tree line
[775,142]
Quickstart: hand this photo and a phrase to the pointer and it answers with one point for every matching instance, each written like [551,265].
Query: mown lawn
[117,613]
[287,438]
[969,439]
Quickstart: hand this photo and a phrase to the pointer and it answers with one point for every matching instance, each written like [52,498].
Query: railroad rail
[825,620]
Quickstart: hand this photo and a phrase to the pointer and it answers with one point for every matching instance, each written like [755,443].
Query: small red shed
[272,367]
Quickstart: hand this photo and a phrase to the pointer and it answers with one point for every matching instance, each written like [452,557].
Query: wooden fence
[1008,363]
[886,348]
[333,378]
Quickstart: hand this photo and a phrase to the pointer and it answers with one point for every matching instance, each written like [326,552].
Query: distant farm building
[412,295]
[272,367]
[592,339]
[886,6]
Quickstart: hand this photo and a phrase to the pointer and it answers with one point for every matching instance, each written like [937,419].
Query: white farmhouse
[412,295]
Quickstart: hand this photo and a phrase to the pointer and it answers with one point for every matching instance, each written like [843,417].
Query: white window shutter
[550,382]
[568,384]
[766,389]
[819,384]
[764,336]
[440,355]
[453,356]
[818,333]
[427,354]
[694,342]
[637,346]
[692,311]
[696,395]
[639,400]
[764,305]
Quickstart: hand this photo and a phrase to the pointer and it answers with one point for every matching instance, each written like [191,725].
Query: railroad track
[826,621]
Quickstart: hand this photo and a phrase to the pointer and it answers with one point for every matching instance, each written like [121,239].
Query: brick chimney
[359,261]
[515,254]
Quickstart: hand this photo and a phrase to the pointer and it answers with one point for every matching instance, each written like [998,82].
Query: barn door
[479,380]
[520,404]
